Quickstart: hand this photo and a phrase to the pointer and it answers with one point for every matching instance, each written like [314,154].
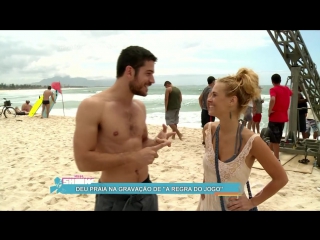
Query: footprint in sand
[55,200]
[282,194]
[11,188]
[300,206]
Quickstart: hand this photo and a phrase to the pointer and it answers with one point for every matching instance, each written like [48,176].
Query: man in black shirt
[205,117]
[302,114]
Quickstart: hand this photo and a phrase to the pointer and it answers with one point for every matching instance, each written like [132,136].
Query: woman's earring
[230,115]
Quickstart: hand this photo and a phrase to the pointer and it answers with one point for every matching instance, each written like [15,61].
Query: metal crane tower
[304,74]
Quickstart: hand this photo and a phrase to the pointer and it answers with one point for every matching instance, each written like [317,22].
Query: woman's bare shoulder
[214,126]
[248,134]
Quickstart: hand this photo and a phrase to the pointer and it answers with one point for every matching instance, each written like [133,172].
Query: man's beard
[136,89]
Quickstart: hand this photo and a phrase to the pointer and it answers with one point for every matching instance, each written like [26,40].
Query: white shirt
[310,115]
[250,104]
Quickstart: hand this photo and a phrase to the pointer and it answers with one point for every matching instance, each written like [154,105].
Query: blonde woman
[231,149]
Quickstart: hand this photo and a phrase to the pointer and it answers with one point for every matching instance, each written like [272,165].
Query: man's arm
[254,107]
[85,141]
[52,97]
[301,99]
[146,141]
[271,165]
[166,98]
[200,100]
[272,101]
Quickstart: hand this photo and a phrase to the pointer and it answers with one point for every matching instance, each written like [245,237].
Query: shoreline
[43,87]
[38,150]
[155,124]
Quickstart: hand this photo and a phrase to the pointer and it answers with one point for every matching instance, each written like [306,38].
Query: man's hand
[241,203]
[163,134]
[147,155]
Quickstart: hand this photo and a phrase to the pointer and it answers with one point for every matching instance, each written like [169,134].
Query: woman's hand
[241,203]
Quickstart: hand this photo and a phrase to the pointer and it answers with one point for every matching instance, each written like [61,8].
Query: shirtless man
[46,103]
[111,134]
[26,107]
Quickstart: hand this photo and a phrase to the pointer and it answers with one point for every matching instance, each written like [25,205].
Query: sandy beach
[34,151]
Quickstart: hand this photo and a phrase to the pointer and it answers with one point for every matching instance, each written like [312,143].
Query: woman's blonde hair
[244,85]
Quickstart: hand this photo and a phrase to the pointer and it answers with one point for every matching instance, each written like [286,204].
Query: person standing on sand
[302,114]
[257,114]
[231,149]
[278,112]
[205,117]
[45,102]
[111,134]
[311,123]
[248,116]
[172,103]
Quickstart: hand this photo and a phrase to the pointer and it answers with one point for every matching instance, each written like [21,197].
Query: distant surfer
[46,103]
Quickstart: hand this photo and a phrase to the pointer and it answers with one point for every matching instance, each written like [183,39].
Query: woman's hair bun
[249,82]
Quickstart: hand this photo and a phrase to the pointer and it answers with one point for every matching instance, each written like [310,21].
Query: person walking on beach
[257,114]
[205,117]
[111,134]
[231,149]
[172,103]
[277,112]
[45,102]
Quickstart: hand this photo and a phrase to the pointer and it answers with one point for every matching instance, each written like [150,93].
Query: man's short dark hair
[135,57]
[211,79]
[166,82]
[49,87]
[27,101]
[275,78]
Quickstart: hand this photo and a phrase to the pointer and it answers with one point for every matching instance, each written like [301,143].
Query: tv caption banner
[87,186]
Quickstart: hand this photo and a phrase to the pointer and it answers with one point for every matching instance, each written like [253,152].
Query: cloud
[102,33]
[17,55]
[34,55]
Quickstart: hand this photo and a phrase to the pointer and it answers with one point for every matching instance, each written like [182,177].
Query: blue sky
[30,56]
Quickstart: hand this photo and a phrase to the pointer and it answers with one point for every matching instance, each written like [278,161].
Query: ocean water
[190,113]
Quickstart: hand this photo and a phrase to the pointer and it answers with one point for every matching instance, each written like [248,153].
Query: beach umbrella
[57,86]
